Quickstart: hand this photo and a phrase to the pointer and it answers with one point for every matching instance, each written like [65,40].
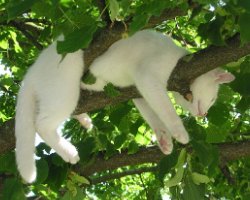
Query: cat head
[204,91]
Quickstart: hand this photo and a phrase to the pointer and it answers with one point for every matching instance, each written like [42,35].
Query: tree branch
[201,62]
[21,27]
[228,152]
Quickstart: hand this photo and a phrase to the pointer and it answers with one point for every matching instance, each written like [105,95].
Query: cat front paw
[164,141]
[181,135]
[165,145]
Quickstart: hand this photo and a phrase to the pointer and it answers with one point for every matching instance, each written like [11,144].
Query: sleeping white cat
[48,95]
[146,60]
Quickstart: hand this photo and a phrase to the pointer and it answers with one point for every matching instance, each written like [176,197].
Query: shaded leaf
[76,40]
[114,9]
[133,147]
[13,190]
[192,191]
[17,7]
[111,91]
[42,170]
[244,27]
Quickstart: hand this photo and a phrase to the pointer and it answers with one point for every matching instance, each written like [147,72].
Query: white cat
[47,97]
[146,60]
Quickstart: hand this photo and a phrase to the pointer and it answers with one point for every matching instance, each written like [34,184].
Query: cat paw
[165,145]
[69,153]
[181,136]
[84,120]
[164,141]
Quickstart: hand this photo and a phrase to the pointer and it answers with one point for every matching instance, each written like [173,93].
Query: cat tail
[25,133]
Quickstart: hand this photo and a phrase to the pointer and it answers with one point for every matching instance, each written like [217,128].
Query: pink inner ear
[224,77]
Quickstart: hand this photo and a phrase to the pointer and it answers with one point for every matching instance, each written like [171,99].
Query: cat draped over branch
[50,92]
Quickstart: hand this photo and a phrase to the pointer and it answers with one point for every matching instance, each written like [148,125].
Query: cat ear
[224,77]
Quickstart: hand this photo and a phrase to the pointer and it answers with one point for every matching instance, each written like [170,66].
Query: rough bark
[227,151]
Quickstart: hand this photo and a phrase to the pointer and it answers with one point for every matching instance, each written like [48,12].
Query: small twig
[19,27]
[143,184]
[226,172]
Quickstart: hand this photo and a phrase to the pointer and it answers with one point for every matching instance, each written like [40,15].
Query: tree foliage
[119,159]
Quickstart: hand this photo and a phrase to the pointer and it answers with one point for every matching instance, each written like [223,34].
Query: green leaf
[243,104]
[114,9]
[212,30]
[47,8]
[110,150]
[57,176]
[103,140]
[246,196]
[86,148]
[79,195]
[199,178]
[111,91]
[89,78]
[57,160]
[17,7]
[7,163]
[207,153]
[242,82]
[245,4]
[133,147]
[4,44]
[13,190]
[78,39]
[216,134]
[139,21]
[117,115]
[67,196]
[120,140]
[192,191]
[218,114]
[136,125]
[42,170]
[244,27]
[176,179]
[78,179]
[167,163]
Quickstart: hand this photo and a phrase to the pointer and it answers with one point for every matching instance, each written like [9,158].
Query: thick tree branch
[228,152]
[201,62]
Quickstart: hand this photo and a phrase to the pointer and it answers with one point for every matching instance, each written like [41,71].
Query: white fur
[47,97]
[146,60]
